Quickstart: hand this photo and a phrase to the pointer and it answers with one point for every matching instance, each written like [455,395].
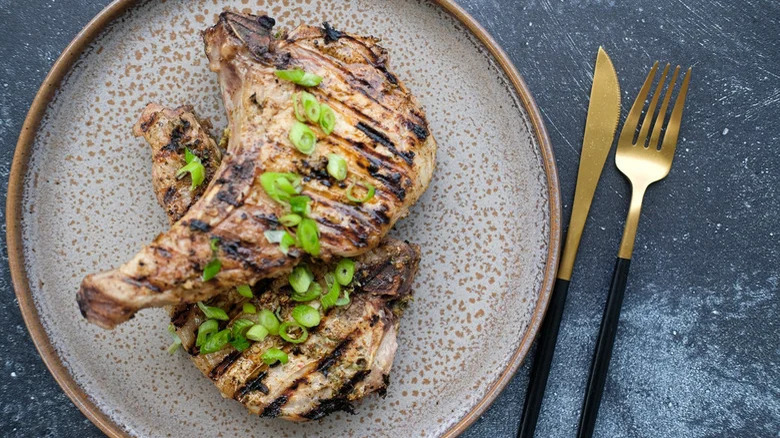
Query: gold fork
[643,163]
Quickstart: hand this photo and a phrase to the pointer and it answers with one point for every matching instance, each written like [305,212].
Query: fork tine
[642,138]
[629,126]
[659,120]
[673,127]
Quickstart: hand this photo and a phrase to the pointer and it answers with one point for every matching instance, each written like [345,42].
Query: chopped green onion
[208,327]
[286,334]
[213,267]
[343,301]
[310,107]
[310,80]
[303,138]
[286,243]
[306,316]
[300,205]
[314,291]
[290,220]
[334,289]
[211,270]
[176,339]
[345,270]
[274,236]
[278,313]
[240,343]
[273,355]
[279,186]
[294,75]
[300,278]
[213,312]
[244,290]
[300,77]
[240,326]
[309,236]
[370,190]
[298,107]
[249,308]
[216,342]
[337,166]
[257,333]
[327,119]
[267,319]
[194,167]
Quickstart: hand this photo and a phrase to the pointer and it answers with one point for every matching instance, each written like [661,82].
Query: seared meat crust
[380,130]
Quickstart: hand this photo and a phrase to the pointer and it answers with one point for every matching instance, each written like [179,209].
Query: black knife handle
[544,354]
[603,352]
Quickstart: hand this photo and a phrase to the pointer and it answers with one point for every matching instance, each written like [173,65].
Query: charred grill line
[273,409]
[382,139]
[330,34]
[197,225]
[338,402]
[181,314]
[255,384]
[223,366]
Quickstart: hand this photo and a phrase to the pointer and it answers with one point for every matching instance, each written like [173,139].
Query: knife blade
[600,126]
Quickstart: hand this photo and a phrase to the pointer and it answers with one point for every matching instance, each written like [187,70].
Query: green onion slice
[290,220]
[343,301]
[240,343]
[370,191]
[213,312]
[244,290]
[314,291]
[216,342]
[337,166]
[311,107]
[286,243]
[249,308]
[309,236]
[274,236]
[306,316]
[300,278]
[294,75]
[334,289]
[327,119]
[345,270]
[214,244]
[176,339]
[303,138]
[300,115]
[309,80]
[257,333]
[273,355]
[280,186]
[293,332]
[194,167]
[240,327]
[300,205]
[267,319]
[207,328]
[300,77]
[211,270]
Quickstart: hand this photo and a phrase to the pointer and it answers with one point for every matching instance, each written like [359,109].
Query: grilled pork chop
[380,130]
[169,132]
[352,350]
[347,356]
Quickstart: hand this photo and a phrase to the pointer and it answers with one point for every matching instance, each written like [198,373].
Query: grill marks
[382,139]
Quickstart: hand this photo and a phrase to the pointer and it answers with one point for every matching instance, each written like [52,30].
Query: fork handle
[603,352]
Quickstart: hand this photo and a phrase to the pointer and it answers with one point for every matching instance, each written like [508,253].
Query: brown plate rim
[19,168]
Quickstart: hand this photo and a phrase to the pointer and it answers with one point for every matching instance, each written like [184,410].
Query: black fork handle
[603,352]
[545,348]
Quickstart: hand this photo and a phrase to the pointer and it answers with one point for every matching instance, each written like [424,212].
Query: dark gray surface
[698,351]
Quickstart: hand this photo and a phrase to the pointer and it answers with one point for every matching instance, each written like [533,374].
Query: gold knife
[600,127]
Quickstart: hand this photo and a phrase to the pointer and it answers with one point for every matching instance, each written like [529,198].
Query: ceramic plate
[81,201]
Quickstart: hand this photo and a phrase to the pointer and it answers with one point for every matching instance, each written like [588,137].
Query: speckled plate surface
[80,200]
